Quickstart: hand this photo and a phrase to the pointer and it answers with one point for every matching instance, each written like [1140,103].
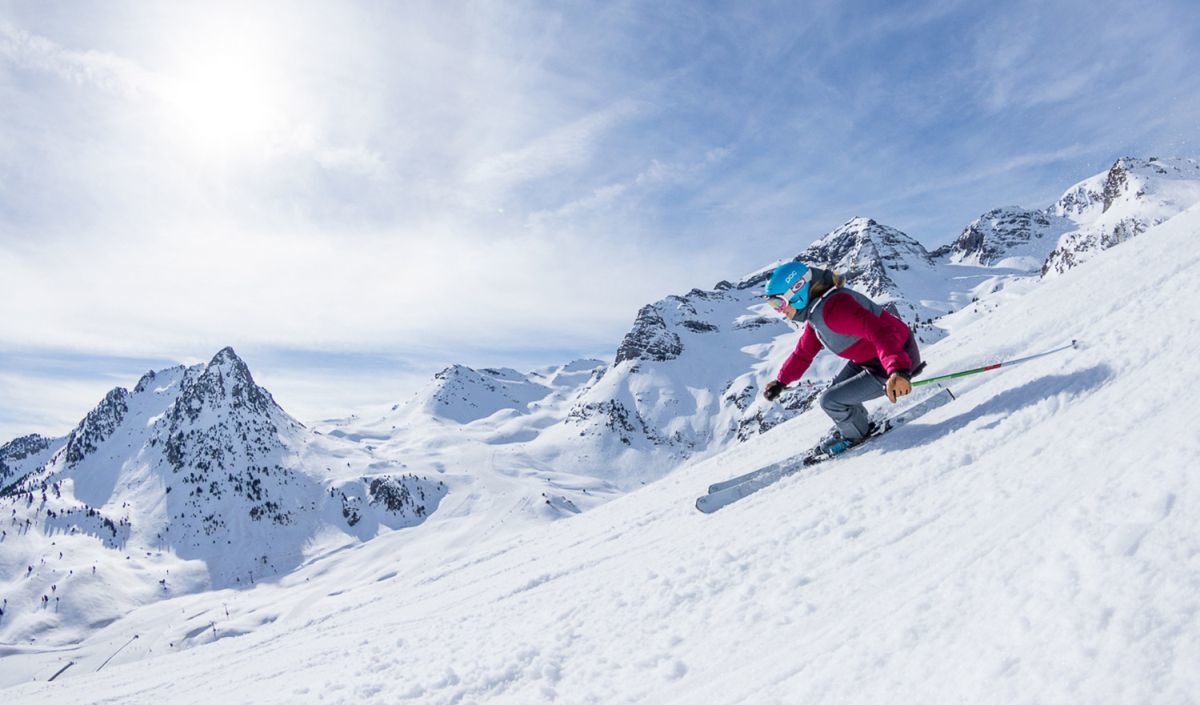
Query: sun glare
[223,97]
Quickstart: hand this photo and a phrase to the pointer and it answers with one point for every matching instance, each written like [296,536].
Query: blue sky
[355,194]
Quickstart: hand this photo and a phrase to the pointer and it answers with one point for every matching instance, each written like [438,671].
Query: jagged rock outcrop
[97,426]
[650,338]
[21,456]
[400,501]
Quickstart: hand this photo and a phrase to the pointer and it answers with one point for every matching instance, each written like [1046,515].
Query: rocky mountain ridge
[1010,236]
[1093,215]
[1131,197]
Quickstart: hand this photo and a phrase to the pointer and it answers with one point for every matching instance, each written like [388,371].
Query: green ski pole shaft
[994,366]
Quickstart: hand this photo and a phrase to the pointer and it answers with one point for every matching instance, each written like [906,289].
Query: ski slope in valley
[1037,540]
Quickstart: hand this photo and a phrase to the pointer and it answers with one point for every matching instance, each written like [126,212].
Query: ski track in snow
[1035,541]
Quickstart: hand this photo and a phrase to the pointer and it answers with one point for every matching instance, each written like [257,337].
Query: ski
[891,422]
[725,484]
[721,494]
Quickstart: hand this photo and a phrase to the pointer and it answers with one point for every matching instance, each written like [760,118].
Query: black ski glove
[773,389]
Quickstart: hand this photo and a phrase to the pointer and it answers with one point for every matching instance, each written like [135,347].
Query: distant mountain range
[196,459]
[200,463]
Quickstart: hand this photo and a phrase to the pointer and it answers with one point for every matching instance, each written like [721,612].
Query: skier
[881,350]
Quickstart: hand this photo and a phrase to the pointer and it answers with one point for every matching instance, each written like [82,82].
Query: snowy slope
[1038,540]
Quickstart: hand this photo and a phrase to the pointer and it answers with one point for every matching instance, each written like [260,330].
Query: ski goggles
[796,296]
[777,302]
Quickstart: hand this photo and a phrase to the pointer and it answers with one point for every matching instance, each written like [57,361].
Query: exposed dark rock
[12,453]
[1003,231]
[650,339]
[97,426]
[699,327]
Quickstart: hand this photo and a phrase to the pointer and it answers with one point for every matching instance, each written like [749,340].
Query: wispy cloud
[90,67]
[570,146]
[655,177]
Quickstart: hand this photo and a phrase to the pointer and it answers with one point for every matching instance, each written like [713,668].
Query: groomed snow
[1038,540]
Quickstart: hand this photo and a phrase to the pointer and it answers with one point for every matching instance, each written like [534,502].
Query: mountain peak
[227,358]
[649,339]
[860,230]
[224,381]
[865,251]
[1109,208]
[16,450]
[860,223]
[463,394]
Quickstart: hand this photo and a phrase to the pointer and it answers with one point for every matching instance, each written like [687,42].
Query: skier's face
[781,305]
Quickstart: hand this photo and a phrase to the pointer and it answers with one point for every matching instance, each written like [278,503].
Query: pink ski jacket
[853,327]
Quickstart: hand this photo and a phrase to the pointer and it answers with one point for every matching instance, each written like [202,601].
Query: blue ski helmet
[791,282]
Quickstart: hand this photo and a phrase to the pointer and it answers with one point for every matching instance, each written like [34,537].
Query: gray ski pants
[855,384]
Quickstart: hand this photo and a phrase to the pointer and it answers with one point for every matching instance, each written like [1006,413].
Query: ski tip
[704,506]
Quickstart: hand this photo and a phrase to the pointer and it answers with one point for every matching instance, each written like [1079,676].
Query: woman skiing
[881,350]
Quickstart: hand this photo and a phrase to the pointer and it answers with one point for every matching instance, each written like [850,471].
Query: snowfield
[1035,541]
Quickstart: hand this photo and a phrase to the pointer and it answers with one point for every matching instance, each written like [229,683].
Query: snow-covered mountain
[1131,197]
[1008,237]
[22,456]
[1033,541]
[199,473]
[509,404]
[1094,214]
[473,429]
[461,394]
[685,379]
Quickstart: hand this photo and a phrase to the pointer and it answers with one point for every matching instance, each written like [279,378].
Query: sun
[223,96]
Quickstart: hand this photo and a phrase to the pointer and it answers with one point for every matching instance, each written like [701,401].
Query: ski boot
[835,444]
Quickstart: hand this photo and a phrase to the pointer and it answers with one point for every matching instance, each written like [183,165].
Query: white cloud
[195,290]
[655,176]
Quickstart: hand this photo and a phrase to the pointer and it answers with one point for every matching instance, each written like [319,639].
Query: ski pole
[995,366]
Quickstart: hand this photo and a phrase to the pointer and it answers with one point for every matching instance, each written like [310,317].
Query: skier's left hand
[897,386]
[773,389]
